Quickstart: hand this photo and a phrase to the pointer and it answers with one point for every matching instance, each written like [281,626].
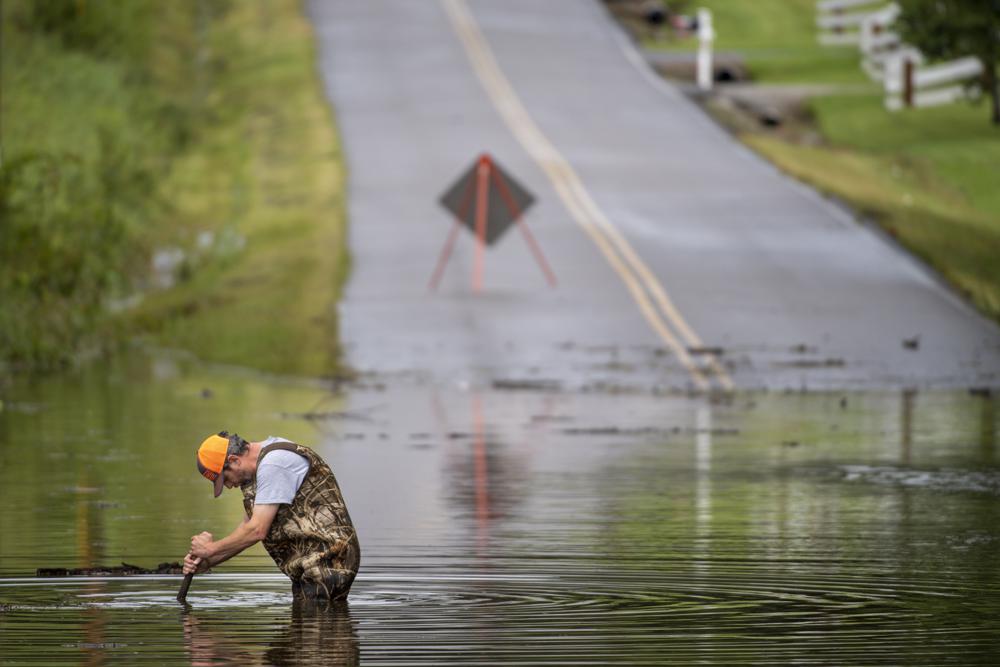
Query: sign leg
[445,254]
[482,204]
[536,250]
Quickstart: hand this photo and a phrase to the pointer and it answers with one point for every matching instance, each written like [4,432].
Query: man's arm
[195,565]
[247,534]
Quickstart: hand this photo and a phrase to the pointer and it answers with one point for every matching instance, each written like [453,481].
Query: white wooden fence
[878,42]
[839,21]
[909,85]
[886,58]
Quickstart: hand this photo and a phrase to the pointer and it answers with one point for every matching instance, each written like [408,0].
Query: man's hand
[195,565]
[201,546]
[247,534]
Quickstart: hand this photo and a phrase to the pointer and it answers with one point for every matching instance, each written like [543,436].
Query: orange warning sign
[486,200]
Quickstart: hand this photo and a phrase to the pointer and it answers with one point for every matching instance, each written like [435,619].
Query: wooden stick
[185,585]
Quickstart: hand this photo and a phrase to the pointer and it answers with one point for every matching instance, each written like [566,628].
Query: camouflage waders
[312,540]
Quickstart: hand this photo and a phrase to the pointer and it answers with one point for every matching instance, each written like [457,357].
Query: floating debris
[527,385]
[105,504]
[618,430]
[82,489]
[982,481]
[551,418]
[646,430]
[714,431]
[324,416]
[124,570]
[831,362]
[717,351]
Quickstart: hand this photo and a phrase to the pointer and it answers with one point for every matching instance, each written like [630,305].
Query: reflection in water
[703,488]
[988,429]
[906,425]
[481,474]
[95,626]
[513,527]
[317,632]
[209,648]
[484,474]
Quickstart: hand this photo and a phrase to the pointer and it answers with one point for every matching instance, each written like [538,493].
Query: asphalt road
[683,261]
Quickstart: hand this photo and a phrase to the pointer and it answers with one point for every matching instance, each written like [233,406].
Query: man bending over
[293,504]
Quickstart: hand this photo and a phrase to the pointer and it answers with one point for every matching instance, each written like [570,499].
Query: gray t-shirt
[279,475]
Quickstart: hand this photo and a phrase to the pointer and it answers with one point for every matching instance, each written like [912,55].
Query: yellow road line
[642,284]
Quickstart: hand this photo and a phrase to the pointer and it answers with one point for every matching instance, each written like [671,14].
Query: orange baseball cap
[212,459]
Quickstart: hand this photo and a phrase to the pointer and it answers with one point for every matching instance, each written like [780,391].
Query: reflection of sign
[485,185]
[487,201]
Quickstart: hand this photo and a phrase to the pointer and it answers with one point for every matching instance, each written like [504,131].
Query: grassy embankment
[927,176]
[206,135]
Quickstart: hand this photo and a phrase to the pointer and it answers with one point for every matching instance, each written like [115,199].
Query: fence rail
[907,84]
[886,58]
[838,25]
[879,42]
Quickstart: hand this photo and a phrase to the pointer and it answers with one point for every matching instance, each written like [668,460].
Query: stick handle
[185,585]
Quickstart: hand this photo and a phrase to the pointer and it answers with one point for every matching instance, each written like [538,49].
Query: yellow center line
[581,206]
[653,285]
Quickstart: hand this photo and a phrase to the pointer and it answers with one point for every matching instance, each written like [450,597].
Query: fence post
[705,37]
[907,80]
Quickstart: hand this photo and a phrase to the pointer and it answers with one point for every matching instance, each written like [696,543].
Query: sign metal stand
[499,202]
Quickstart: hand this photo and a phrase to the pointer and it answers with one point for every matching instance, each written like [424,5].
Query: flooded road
[505,526]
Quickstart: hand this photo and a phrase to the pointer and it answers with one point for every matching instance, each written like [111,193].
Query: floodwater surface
[503,526]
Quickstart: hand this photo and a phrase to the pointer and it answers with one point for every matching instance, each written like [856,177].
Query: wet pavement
[683,260]
[504,526]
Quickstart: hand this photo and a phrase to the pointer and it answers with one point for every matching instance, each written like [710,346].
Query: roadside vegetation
[926,176]
[170,172]
[776,39]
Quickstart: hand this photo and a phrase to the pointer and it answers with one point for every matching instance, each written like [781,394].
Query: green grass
[928,176]
[954,144]
[777,38]
[81,147]
[922,211]
[269,185]
[187,125]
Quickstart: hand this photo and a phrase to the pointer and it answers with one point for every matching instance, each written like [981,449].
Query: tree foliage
[99,96]
[946,29]
[68,240]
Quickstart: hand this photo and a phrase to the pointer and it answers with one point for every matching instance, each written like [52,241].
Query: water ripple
[981,481]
